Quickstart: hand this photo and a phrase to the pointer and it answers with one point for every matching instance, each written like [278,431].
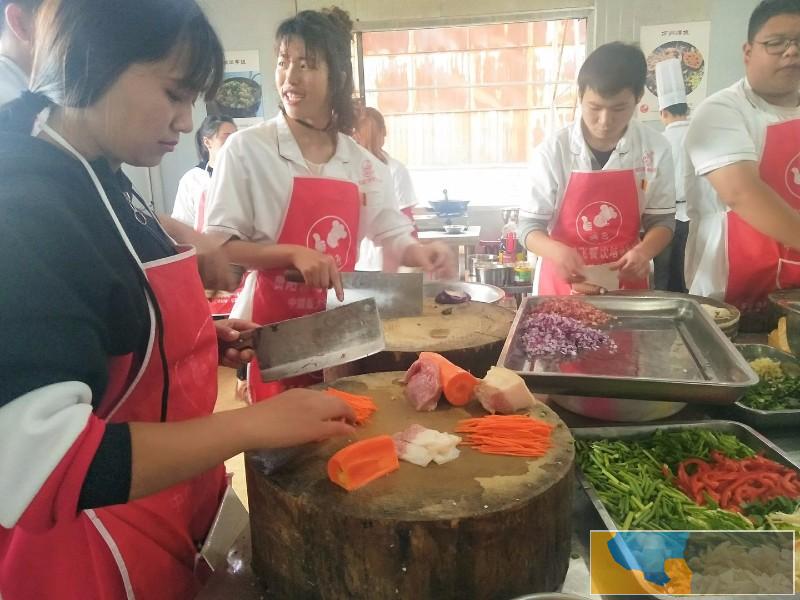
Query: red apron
[145,548]
[600,218]
[323,214]
[757,264]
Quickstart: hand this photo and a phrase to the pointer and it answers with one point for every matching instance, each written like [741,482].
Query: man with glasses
[744,240]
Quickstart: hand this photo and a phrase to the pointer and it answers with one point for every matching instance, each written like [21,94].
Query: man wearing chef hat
[675,116]
[744,241]
[16,50]
[596,184]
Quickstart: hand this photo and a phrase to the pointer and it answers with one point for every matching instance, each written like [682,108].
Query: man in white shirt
[596,184]
[668,265]
[745,140]
[16,46]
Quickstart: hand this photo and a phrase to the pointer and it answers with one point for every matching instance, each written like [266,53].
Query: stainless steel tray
[669,349]
[745,434]
[766,419]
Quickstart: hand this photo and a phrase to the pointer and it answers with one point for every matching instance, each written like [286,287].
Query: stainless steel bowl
[474,259]
[494,274]
[478,292]
[617,409]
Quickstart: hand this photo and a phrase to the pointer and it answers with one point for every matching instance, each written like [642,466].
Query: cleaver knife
[317,341]
[397,295]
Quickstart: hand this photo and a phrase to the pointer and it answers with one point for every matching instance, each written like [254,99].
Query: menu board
[689,43]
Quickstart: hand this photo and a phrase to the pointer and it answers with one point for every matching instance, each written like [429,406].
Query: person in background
[16,46]
[744,240]
[190,201]
[597,183]
[668,265]
[297,193]
[370,132]
[112,461]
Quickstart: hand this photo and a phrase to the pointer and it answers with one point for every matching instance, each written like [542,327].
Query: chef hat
[669,81]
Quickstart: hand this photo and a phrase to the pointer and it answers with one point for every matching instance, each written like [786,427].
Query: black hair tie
[18,115]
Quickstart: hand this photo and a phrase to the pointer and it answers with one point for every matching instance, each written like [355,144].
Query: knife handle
[244,342]
[294,276]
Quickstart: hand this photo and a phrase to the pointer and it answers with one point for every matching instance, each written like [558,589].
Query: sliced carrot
[363,406]
[508,435]
[458,384]
[354,466]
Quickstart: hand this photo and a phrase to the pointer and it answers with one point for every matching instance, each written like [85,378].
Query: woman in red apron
[112,461]
[304,191]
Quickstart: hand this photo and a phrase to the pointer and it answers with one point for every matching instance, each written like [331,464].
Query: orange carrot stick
[509,435]
[363,406]
[458,385]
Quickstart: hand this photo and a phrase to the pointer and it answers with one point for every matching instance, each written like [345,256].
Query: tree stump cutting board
[471,335]
[479,527]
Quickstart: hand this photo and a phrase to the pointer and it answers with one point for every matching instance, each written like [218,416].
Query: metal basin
[479,292]
[494,274]
[618,409]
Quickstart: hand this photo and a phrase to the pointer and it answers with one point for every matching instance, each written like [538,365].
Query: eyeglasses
[779,45]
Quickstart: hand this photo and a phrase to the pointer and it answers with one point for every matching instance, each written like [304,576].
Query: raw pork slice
[420,445]
[423,385]
[503,391]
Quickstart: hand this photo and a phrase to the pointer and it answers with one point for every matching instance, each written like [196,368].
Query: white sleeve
[660,192]
[718,137]
[403,186]
[36,431]
[545,189]
[230,202]
[185,207]
[383,222]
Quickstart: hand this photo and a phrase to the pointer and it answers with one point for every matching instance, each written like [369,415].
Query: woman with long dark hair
[298,193]
[190,201]
[111,469]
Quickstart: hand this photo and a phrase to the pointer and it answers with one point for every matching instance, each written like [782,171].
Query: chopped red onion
[549,334]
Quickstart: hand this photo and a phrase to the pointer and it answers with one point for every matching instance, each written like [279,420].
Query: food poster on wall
[240,95]
[689,43]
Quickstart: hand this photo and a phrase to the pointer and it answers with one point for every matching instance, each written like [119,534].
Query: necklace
[325,129]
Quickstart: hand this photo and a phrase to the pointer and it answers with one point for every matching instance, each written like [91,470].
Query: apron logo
[367,172]
[793,176]
[598,223]
[331,235]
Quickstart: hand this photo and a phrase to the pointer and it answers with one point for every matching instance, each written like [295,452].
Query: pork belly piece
[420,445]
[423,385]
[503,391]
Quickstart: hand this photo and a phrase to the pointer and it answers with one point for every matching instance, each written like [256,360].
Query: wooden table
[465,241]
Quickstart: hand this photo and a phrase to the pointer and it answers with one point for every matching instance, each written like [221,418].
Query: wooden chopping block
[479,527]
[470,335]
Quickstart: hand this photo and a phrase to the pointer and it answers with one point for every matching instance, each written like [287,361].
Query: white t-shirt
[403,187]
[13,80]
[675,133]
[190,189]
[730,126]
[370,256]
[252,187]
[641,149]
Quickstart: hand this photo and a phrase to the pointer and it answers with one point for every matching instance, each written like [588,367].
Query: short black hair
[612,68]
[208,128]
[768,9]
[678,110]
